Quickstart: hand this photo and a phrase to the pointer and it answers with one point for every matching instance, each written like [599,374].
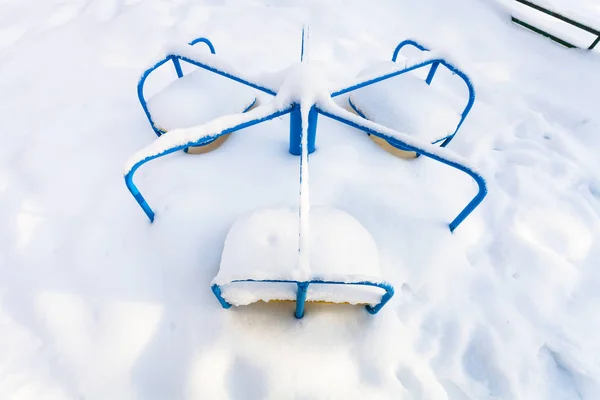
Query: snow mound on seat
[197,98]
[264,246]
[407,104]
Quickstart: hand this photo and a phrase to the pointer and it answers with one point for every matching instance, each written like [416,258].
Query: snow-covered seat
[406,103]
[260,261]
[197,98]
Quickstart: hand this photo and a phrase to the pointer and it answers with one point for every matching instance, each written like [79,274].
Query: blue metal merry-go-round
[267,255]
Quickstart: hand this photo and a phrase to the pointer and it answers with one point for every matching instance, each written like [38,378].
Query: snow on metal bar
[214,63]
[409,64]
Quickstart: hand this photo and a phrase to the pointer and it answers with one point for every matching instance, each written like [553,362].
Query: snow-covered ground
[96,303]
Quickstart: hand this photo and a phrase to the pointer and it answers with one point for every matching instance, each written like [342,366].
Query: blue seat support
[301,292]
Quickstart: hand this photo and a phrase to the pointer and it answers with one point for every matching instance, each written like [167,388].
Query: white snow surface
[96,303]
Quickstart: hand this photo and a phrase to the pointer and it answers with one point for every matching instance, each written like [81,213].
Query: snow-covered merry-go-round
[304,254]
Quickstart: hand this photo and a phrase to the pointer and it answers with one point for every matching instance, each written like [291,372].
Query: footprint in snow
[560,380]
[453,392]
[245,381]
[410,382]
[479,362]
[449,341]
[422,385]
[508,180]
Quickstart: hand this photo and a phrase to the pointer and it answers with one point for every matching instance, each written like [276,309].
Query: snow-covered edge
[188,136]
[350,279]
[331,107]
[402,64]
[213,61]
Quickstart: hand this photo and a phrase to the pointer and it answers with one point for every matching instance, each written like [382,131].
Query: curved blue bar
[405,146]
[177,65]
[140,92]
[432,62]
[217,291]
[408,42]
[205,41]
[129,176]
[419,46]
[303,286]
[193,42]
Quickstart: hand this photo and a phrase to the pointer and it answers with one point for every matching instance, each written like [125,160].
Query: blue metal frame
[177,64]
[303,288]
[434,66]
[336,113]
[296,130]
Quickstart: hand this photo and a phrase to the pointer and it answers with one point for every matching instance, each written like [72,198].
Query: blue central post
[296,129]
[296,114]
